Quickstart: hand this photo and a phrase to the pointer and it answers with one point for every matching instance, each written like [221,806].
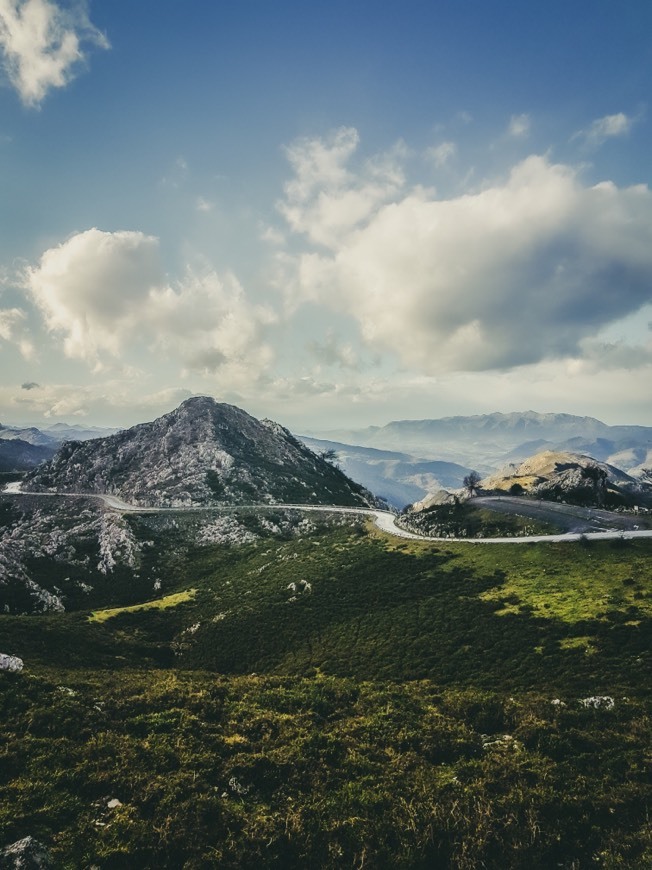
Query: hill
[202,453]
[19,455]
[332,698]
[570,477]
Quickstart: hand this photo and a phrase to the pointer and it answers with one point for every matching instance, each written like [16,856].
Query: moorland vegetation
[338,698]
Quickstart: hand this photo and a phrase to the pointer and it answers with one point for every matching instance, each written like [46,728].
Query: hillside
[570,477]
[335,696]
[397,477]
[19,455]
[202,453]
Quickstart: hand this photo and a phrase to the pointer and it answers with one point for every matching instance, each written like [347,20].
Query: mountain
[397,477]
[485,441]
[66,432]
[29,434]
[18,455]
[569,477]
[202,453]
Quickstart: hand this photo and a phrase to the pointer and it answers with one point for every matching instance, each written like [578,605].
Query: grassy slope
[361,742]
[247,772]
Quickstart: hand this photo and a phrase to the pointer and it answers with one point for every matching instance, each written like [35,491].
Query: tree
[471,483]
[329,456]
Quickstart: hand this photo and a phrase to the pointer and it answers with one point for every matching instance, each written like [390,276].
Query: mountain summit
[203,453]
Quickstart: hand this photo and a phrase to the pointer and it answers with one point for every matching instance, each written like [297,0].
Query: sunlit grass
[164,603]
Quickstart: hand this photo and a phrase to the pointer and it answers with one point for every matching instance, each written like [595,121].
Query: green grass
[244,772]
[416,705]
[467,520]
[371,607]
[172,600]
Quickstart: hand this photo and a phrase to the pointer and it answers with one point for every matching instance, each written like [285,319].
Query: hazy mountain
[28,434]
[204,452]
[67,432]
[397,477]
[18,455]
[484,441]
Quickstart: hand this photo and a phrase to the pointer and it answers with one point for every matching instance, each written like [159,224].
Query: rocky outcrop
[568,477]
[435,499]
[202,453]
[25,854]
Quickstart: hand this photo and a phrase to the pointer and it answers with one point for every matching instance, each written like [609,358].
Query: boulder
[11,664]
[26,854]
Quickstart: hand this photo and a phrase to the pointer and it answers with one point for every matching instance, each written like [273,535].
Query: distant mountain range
[406,460]
[55,434]
[23,448]
[486,441]
[202,453]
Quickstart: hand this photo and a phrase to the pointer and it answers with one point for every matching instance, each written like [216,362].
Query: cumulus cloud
[605,128]
[519,125]
[42,43]
[106,293]
[520,271]
[325,200]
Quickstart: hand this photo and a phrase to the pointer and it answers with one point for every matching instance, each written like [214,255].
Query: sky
[332,214]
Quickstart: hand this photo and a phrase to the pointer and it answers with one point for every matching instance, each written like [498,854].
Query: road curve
[384,520]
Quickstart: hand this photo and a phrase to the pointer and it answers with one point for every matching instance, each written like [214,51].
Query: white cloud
[605,128]
[325,200]
[13,331]
[113,402]
[9,318]
[519,125]
[106,294]
[441,154]
[42,45]
[519,272]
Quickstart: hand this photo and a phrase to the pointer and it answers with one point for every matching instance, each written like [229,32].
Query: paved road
[385,520]
[570,518]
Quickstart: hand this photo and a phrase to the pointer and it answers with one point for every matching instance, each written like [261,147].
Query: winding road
[386,521]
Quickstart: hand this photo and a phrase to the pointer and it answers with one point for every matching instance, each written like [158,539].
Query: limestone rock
[26,854]
[10,664]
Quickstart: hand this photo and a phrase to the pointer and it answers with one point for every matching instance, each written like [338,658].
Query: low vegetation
[172,600]
[463,519]
[192,770]
[339,699]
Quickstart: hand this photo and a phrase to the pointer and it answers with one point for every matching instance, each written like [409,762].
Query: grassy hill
[341,699]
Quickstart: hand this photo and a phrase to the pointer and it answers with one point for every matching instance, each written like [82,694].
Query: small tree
[471,483]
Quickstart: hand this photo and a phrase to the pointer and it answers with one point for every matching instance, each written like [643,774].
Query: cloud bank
[42,45]
[520,271]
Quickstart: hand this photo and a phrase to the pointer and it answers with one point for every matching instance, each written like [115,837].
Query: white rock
[11,664]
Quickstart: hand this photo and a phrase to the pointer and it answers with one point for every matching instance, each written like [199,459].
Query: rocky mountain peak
[204,452]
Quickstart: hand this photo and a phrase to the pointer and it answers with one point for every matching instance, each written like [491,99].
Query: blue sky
[331,214]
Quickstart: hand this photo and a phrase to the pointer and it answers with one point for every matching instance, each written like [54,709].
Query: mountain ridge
[203,452]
